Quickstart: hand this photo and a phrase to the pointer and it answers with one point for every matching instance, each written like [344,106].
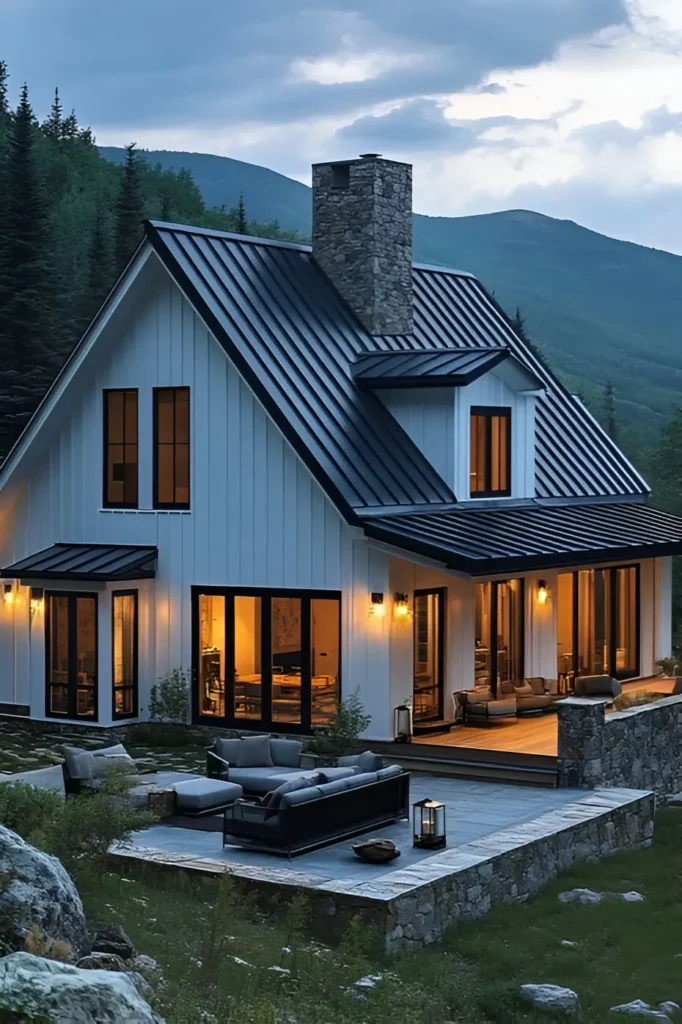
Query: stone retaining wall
[412,907]
[640,747]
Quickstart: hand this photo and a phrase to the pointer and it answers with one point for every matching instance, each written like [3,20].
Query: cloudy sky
[569,107]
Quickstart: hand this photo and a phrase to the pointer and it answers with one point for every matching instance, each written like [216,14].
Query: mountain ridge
[599,308]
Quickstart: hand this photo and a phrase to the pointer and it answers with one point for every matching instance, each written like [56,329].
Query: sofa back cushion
[597,686]
[390,772]
[508,687]
[336,786]
[228,749]
[105,757]
[300,796]
[479,695]
[362,779]
[286,753]
[366,762]
[80,763]
[537,685]
[523,689]
[274,799]
[254,752]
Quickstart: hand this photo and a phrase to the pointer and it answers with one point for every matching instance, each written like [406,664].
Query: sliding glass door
[498,612]
[267,658]
[71,655]
[429,611]
[598,622]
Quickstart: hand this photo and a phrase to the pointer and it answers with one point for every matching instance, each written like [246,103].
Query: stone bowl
[376,851]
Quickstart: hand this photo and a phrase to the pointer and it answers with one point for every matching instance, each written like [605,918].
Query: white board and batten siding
[257,519]
[438,421]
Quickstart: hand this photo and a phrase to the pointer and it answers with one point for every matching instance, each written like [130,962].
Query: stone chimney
[362,237]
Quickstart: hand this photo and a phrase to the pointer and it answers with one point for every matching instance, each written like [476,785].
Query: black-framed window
[120,448]
[499,632]
[171,448]
[71,655]
[429,653]
[490,448]
[598,622]
[266,659]
[124,651]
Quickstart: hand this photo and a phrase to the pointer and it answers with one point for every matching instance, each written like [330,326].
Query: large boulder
[64,994]
[110,938]
[40,892]
[551,998]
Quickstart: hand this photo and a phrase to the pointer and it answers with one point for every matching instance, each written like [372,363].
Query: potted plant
[668,667]
[330,742]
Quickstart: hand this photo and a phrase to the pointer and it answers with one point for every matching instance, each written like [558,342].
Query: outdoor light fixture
[376,603]
[428,818]
[36,599]
[401,605]
[8,593]
[542,592]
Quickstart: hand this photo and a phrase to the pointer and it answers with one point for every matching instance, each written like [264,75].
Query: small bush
[40,944]
[25,809]
[349,722]
[169,700]
[668,666]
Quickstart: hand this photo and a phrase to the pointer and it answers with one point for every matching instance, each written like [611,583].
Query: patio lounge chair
[479,705]
[597,686]
[531,698]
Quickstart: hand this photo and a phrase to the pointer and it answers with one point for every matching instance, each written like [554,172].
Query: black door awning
[500,540]
[86,562]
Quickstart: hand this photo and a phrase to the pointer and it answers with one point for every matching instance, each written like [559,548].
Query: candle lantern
[429,824]
[402,723]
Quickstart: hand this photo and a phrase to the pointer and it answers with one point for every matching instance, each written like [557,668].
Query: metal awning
[427,369]
[501,540]
[86,562]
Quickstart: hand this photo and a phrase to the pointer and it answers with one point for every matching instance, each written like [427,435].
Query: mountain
[598,308]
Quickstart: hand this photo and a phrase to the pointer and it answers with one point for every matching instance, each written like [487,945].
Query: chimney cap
[370,156]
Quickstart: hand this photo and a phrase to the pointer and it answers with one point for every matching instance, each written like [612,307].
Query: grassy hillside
[600,308]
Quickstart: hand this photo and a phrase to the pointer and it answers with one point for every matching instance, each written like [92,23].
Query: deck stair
[472,763]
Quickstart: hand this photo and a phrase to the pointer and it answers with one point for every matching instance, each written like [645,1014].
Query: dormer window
[490,468]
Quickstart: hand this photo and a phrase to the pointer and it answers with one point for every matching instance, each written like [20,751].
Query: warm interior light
[36,599]
[542,592]
[376,605]
[8,593]
[401,607]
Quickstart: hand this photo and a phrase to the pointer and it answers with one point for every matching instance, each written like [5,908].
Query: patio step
[470,763]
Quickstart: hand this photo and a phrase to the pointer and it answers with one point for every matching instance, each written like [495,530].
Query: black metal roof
[295,341]
[424,369]
[500,540]
[86,562]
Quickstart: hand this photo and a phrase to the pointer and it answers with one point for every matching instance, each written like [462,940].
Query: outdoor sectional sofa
[317,812]
[260,764]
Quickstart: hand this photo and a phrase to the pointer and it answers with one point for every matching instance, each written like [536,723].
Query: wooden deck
[530,735]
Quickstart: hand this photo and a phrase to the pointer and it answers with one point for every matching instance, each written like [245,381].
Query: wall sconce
[8,593]
[543,592]
[401,607]
[376,603]
[36,599]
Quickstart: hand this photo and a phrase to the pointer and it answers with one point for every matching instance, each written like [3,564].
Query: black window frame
[172,504]
[440,593]
[117,716]
[494,628]
[106,444]
[490,411]
[266,722]
[72,687]
[613,590]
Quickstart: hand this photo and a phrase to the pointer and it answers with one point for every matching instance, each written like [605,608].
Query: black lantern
[428,818]
[402,724]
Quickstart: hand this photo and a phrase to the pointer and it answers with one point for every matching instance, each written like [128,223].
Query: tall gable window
[171,448]
[120,449]
[490,469]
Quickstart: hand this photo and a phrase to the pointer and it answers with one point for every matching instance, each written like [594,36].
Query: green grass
[624,951]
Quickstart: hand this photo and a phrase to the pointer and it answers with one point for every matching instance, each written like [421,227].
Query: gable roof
[296,342]
[86,562]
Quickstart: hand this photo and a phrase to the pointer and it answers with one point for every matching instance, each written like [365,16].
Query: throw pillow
[523,690]
[80,763]
[479,695]
[365,762]
[286,753]
[537,685]
[228,749]
[254,752]
[290,786]
[107,756]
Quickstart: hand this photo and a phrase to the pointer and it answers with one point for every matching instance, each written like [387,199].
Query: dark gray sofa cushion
[597,686]
[286,752]
[332,774]
[228,749]
[274,798]
[389,772]
[202,794]
[301,796]
[80,763]
[362,779]
[337,786]
[260,780]
[366,762]
[254,752]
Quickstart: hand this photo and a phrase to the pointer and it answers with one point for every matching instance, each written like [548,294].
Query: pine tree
[130,211]
[26,278]
[70,127]
[4,103]
[242,225]
[610,424]
[101,272]
[166,206]
[53,125]
[518,323]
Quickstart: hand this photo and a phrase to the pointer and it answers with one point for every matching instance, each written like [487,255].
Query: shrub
[169,700]
[25,809]
[668,666]
[338,737]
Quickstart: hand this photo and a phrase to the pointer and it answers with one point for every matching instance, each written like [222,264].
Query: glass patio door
[71,655]
[427,704]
